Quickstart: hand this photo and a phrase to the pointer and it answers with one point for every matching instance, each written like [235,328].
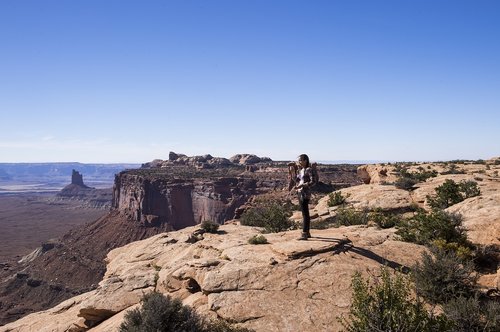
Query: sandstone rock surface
[286,285]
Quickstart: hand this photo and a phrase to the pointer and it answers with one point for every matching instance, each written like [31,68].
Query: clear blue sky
[129,81]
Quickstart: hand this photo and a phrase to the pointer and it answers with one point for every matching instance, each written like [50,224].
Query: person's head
[304,161]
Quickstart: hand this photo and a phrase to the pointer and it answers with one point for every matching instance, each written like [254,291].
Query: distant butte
[77,179]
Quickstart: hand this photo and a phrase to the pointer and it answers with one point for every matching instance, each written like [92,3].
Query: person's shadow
[346,245]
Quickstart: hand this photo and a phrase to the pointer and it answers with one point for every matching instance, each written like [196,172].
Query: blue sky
[129,81]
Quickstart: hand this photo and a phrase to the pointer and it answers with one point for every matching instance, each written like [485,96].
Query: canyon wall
[180,203]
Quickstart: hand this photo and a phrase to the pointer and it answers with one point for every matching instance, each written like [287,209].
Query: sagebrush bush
[210,226]
[453,169]
[450,193]
[407,180]
[270,215]
[421,176]
[469,189]
[257,239]
[487,257]
[405,183]
[160,313]
[336,198]
[469,314]
[351,216]
[463,251]
[424,228]
[222,326]
[447,194]
[385,219]
[386,305]
[442,276]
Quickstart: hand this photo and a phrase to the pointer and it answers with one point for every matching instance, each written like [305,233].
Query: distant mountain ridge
[54,176]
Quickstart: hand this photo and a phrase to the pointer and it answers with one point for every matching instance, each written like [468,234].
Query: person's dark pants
[306,219]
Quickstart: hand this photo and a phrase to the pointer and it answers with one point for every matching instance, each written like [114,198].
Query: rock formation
[284,285]
[90,197]
[248,159]
[180,203]
[200,162]
[77,179]
[206,161]
[146,201]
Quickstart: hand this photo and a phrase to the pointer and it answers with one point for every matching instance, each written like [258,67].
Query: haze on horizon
[128,81]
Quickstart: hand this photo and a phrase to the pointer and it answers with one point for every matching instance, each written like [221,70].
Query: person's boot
[308,235]
[304,236]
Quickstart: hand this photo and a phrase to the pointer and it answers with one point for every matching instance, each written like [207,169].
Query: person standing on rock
[305,181]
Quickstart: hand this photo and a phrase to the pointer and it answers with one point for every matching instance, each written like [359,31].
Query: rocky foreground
[285,285]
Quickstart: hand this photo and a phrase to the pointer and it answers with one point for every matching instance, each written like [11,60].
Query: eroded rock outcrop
[481,214]
[376,174]
[200,162]
[77,179]
[286,285]
[90,197]
[248,159]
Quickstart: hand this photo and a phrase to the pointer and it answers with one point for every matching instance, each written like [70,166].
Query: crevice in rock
[236,321]
[307,266]
[94,316]
[192,286]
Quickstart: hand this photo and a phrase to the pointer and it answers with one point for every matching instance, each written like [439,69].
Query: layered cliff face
[182,196]
[180,203]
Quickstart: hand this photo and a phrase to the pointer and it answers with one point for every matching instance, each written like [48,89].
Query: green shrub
[257,239]
[423,175]
[384,219]
[336,198]
[351,216]
[447,194]
[461,250]
[469,189]
[442,276]
[407,180]
[270,215]
[453,169]
[487,258]
[160,313]
[450,193]
[210,226]
[405,183]
[469,314]
[386,305]
[424,228]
